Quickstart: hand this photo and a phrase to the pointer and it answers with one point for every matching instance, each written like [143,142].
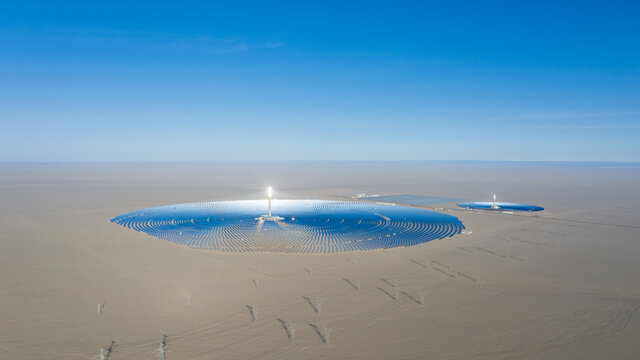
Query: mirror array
[488,205]
[306,226]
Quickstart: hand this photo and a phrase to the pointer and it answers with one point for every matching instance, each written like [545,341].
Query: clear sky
[370,80]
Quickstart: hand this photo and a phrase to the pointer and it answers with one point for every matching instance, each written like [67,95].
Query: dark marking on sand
[464,249]
[442,271]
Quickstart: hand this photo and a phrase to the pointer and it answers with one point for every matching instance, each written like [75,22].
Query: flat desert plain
[560,284]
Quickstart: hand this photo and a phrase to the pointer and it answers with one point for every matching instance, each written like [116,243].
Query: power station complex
[291,226]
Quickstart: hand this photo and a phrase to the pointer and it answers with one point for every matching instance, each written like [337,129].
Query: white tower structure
[269,216]
[494,206]
[269,195]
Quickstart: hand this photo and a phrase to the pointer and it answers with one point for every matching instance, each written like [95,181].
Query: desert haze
[558,284]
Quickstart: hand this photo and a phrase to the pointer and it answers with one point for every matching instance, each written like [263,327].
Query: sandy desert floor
[560,284]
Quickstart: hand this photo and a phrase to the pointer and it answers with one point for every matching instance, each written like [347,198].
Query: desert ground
[560,284]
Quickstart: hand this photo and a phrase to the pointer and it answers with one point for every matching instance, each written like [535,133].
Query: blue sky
[395,80]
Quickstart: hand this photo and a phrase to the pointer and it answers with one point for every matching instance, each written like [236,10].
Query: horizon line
[193,162]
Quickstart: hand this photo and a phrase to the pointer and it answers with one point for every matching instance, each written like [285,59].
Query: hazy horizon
[458,162]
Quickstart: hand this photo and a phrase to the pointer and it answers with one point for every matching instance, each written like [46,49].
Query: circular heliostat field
[487,205]
[302,226]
